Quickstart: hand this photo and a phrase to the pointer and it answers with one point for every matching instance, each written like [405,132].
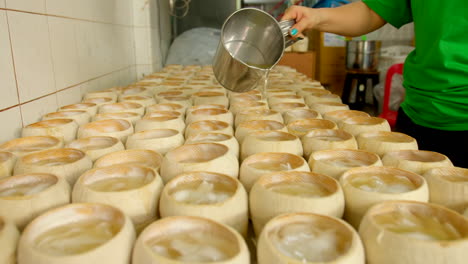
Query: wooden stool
[358,90]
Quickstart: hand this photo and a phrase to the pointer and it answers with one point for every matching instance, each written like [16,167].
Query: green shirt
[436,72]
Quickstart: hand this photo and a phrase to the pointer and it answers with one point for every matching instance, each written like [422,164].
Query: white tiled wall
[9,93]
[54,51]
[27,5]
[31,55]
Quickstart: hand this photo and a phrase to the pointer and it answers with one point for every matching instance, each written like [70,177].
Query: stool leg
[347,88]
[370,90]
[361,92]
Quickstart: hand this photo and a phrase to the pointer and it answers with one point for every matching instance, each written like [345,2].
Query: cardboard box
[303,62]
[331,59]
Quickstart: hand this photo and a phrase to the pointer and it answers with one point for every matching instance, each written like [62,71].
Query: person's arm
[352,20]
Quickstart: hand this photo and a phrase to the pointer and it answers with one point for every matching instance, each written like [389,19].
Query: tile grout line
[51,56]
[14,72]
[72,18]
[66,88]
[76,28]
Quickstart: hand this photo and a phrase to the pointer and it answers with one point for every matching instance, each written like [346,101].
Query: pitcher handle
[285,26]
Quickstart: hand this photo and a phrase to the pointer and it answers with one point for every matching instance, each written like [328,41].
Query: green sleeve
[395,12]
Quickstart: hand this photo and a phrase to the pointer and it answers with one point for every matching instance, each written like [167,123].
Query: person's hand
[306,18]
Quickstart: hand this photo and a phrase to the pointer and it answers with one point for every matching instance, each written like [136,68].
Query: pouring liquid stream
[265,84]
[266,68]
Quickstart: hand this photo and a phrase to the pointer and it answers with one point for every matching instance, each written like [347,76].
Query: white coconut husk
[335,162]
[298,114]
[237,107]
[257,165]
[340,115]
[214,137]
[285,98]
[326,139]
[209,114]
[247,127]
[303,126]
[168,92]
[381,142]
[270,141]
[145,101]
[79,116]
[448,186]
[166,107]
[358,201]
[159,140]
[170,227]
[100,94]
[116,250]
[316,90]
[211,157]
[210,98]
[320,98]
[7,163]
[325,107]
[185,101]
[347,239]
[161,122]
[129,116]
[417,161]
[65,163]
[124,106]
[361,124]
[165,114]
[99,101]
[384,246]
[9,236]
[273,92]
[136,91]
[144,157]
[265,203]
[208,126]
[27,145]
[139,203]
[24,207]
[284,107]
[117,128]
[263,114]
[205,106]
[91,108]
[233,211]
[97,146]
[65,129]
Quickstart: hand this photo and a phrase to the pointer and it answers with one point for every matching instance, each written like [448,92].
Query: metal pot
[362,55]
[251,43]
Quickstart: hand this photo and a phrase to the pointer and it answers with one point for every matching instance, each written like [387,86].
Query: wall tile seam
[66,17]
[66,88]
[14,70]
[51,59]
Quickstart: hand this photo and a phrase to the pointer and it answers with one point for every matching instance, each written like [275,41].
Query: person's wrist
[315,15]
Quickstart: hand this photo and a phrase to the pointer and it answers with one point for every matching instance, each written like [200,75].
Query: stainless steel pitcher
[251,43]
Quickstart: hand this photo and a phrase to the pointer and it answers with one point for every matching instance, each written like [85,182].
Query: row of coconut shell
[184,155]
[391,232]
[287,238]
[92,174]
[373,173]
